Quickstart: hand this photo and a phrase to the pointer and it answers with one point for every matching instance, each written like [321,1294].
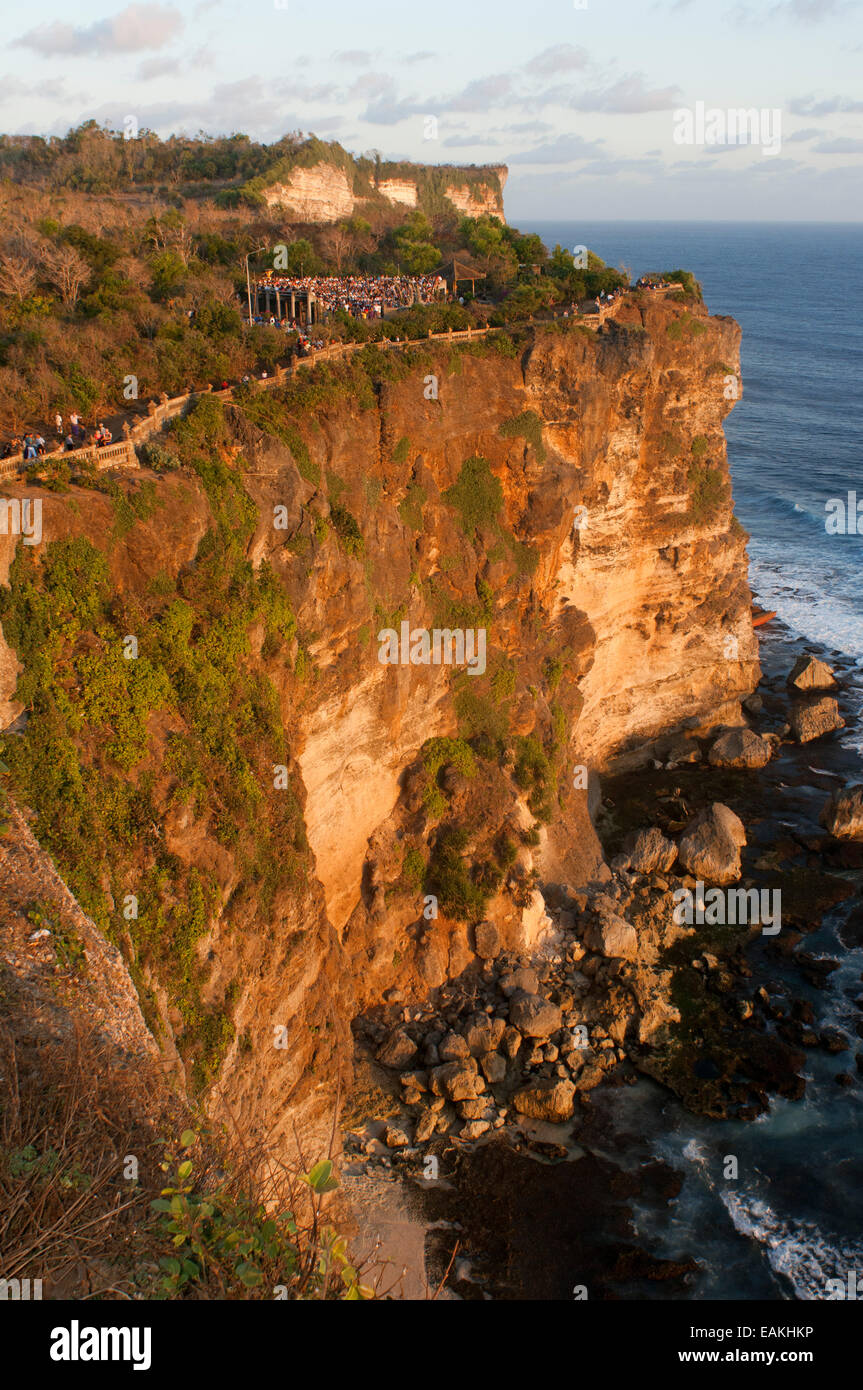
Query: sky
[590,103]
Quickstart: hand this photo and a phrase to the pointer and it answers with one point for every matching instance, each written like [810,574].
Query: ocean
[793,1217]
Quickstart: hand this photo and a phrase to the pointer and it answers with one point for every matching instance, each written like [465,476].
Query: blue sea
[793,1218]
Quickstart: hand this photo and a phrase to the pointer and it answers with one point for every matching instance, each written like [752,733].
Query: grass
[96,1204]
[410,508]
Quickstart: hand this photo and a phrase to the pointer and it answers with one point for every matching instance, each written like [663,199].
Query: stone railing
[121,455]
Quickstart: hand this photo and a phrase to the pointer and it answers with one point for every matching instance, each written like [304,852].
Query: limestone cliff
[564,491]
[327,192]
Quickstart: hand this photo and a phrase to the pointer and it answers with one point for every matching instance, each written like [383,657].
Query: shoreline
[543,1209]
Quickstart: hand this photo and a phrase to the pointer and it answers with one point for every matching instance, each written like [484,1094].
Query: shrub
[449,878]
[347,529]
[707,491]
[476,495]
[528,426]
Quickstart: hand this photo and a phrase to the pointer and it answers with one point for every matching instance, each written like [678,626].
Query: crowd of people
[361,296]
[73,435]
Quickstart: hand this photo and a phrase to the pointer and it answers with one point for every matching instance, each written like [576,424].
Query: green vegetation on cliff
[85,762]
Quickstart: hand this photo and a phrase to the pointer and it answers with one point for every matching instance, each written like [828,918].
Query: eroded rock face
[843,814]
[325,193]
[634,607]
[710,845]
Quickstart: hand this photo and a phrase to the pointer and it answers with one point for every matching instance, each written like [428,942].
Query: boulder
[484,1036]
[453,1048]
[547,1098]
[486,940]
[814,718]
[398,1051]
[534,1016]
[843,814]
[649,851]
[811,674]
[740,748]
[456,1081]
[710,845]
[610,934]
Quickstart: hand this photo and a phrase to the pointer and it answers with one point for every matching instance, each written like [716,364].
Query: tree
[66,269]
[413,244]
[17,275]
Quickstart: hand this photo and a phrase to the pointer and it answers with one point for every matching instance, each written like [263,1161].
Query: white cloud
[563,150]
[562,57]
[843,144]
[133,30]
[628,96]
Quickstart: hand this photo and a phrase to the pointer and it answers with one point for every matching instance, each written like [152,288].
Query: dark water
[793,1218]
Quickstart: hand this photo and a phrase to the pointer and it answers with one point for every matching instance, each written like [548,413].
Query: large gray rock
[610,934]
[649,851]
[534,1016]
[546,1099]
[814,718]
[740,748]
[843,814]
[710,845]
[810,674]
[398,1051]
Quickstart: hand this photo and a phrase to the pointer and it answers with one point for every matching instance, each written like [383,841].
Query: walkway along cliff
[244,798]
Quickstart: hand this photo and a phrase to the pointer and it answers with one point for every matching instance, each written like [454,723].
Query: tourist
[58,425]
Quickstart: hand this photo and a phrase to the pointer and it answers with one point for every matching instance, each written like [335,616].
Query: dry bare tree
[17,275]
[67,271]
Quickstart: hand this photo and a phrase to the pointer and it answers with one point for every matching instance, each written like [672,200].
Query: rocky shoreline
[493,1078]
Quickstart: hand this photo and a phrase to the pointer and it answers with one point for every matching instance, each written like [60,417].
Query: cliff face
[474,201]
[324,193]
[567,495]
